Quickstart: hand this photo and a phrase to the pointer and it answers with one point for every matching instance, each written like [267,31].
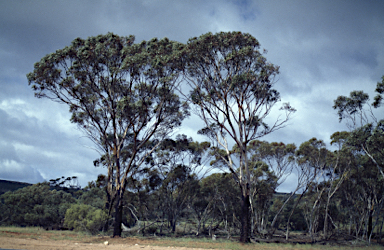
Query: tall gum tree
[366,136]
[312,154]
[367,132]
[121,95]
[232,91]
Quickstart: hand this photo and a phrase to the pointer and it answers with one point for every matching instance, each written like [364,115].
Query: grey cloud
[32,141]
[324,49]
[10,170]
[8,151]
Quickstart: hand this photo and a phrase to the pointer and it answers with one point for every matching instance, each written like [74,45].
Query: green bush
[35,205]
[82,217]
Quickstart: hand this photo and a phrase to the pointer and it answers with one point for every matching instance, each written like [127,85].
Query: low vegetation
[80,237]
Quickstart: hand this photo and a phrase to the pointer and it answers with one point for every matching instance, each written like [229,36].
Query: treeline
[129,97]
[337,193]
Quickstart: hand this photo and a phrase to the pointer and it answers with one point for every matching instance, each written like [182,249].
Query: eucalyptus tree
[304,179]
[362,190]
[263,187]
[362,196]
[313,156]
[367,132]
[366,137]
[232,90]
[339,164]
[280,160]
[120,94]
[218,204]
[179,164]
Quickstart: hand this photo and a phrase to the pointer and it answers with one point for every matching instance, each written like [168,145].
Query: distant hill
[6,186]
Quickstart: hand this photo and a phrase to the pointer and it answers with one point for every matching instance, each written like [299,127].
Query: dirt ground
[47,244]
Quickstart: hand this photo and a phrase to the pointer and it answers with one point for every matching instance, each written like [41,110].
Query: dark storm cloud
[314,37]
[324,49]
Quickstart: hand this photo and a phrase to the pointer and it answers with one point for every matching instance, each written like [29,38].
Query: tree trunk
[272,228]
[326,218]
[245,217]
[108,208]
[369,223]
[290,215]
[198,227]
[381,228]
[173,226]
[313,219]
[118,216]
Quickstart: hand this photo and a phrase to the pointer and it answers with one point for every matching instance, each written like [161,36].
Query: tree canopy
[120,94]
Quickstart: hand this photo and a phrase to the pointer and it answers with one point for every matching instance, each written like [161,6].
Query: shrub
[82,217]
[35,205]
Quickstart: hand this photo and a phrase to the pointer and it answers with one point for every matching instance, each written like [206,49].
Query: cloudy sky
[324,49]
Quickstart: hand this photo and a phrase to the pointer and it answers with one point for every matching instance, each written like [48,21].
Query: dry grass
[205,243]
[227,244]
[41,233]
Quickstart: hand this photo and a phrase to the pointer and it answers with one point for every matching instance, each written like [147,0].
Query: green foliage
[35,205]
[227,69]
[378,100]
[121,94]
[220,193]
[82,217]
[93,196]
[349,106]
[367,135]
